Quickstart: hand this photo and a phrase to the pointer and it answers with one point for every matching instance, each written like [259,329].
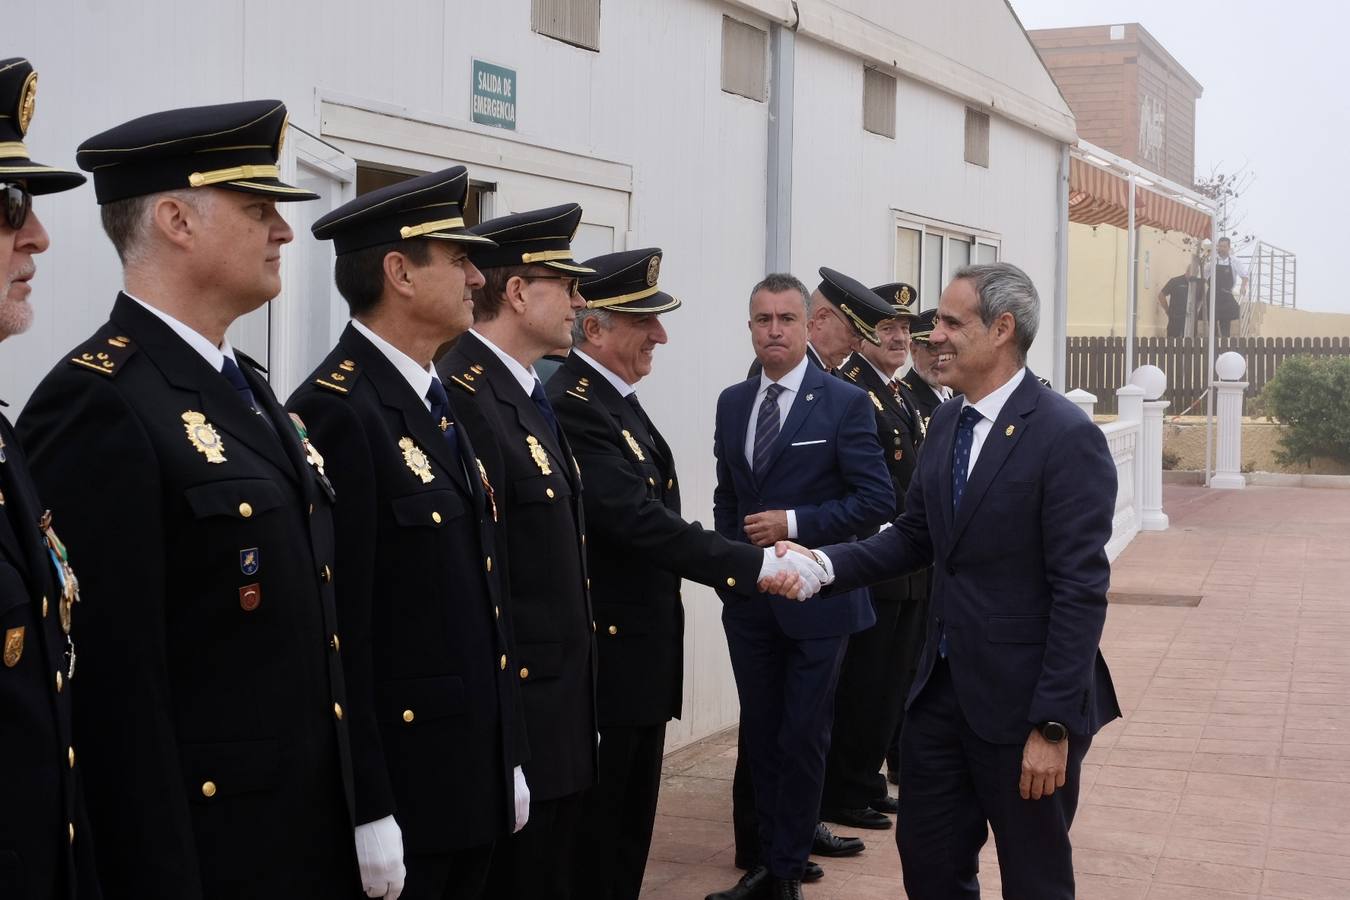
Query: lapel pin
[1010,431]
[810,397]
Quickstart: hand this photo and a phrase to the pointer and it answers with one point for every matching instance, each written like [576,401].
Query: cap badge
[538,455]
[416,460]
[633,445]
[653,271]
[27,102]
[204,436]
[902,296]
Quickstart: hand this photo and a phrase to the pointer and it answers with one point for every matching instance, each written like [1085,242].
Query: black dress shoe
[754,885]
[887,804]
[786,890]
[826,843]
[812,872]
[857,818]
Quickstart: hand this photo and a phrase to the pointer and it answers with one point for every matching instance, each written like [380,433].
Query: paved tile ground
[1228,778]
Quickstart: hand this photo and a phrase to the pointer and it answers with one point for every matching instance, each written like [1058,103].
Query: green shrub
[1310,396]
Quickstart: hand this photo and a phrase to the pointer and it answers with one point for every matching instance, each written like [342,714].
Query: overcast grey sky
[1274,99]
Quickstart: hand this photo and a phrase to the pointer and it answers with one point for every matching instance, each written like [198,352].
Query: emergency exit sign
[493,101]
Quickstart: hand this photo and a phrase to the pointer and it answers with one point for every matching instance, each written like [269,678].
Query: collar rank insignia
[416,460]
[538,455]
[204,436]
[633,445]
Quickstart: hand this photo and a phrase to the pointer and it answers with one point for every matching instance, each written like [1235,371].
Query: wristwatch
[1053,732]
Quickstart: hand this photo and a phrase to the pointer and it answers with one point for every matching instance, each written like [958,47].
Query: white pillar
[1083,400]
[1151,515]
[1130,407]
[1228,390]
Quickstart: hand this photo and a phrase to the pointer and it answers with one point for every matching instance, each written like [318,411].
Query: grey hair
[778,282]
[1004,288]
[604,316]
[126,222]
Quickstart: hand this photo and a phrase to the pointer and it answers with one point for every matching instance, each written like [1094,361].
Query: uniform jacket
[434,716]
[538,492]
[45,841]
[209,715]
[1020,571]
[826,464]
[639,548]
[924,399]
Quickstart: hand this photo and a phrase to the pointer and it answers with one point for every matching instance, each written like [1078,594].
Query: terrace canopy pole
[1209,391]
[1131,300]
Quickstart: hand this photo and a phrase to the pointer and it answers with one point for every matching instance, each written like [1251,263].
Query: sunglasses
[570,283]
[18,202]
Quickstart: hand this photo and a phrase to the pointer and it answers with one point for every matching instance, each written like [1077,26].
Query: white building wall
[649,101]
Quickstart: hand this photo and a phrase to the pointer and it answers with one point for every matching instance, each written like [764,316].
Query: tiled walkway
[1228,779]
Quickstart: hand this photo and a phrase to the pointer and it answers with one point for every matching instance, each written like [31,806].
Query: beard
[16,316]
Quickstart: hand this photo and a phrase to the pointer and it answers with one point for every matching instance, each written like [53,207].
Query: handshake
[791,570]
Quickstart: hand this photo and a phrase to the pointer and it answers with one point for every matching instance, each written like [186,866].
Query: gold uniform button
[525,672]
[651,481]
[731,582]
[614,629]
[497,611]
[408,715]
[489,564]
[44,607]
[670,483]
[337,710]
[245,510]
[326,574]
[549,493]
[502,663]
[436,517]
[70,826]
[208,788]
[60,682]
[311,509]
[70,756]
[337,644]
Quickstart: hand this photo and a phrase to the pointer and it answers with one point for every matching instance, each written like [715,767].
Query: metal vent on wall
[879,102]
[977,137]
[575,22]
[745,51]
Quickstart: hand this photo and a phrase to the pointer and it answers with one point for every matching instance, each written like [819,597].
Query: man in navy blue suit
[1012,505]
[797,457]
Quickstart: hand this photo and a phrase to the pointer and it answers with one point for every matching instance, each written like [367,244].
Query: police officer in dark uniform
[211,711]
[436,742]
[45,846]
[524,310]
[923,391]
[868,703]
[639,549]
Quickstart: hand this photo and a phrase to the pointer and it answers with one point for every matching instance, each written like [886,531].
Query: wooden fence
[1097,364]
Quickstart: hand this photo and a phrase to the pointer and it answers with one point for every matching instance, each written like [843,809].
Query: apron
[1225,305]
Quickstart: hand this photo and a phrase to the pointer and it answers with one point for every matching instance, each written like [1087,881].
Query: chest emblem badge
[204,436]
[416,460]
[633,445]
[538,454]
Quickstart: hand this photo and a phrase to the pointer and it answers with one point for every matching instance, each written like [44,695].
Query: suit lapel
[185,368]
[801,408]
[1005,434]
[618,406]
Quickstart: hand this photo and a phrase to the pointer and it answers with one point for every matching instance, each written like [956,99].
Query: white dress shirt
[418,378]
[623,387]
[214,356]
[791,384]
[526,377]
[990,406]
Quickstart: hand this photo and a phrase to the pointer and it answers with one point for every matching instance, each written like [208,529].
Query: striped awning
[1100,197]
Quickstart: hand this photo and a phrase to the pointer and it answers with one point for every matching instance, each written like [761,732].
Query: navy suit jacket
[1019,572]
[826,465]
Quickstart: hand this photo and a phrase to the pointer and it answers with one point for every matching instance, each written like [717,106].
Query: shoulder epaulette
[105,355]
[875,401]
[466,379]
[578,390]
[852,374]
[341,377]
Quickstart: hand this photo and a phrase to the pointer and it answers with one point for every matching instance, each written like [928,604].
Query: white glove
[522,800]
[379,852]
[809,574]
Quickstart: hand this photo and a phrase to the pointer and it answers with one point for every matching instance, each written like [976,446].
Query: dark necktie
[230,369]
[766,426]
[965,440]
[545,408]
[632,399]
[440,414]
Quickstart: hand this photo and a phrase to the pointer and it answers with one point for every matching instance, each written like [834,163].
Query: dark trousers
[619,814]
[536,862]
[456,875]
[954,786]
[786,690]
[744,822]
[914,633]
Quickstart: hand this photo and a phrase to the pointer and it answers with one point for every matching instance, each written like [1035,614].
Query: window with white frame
[928,253]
